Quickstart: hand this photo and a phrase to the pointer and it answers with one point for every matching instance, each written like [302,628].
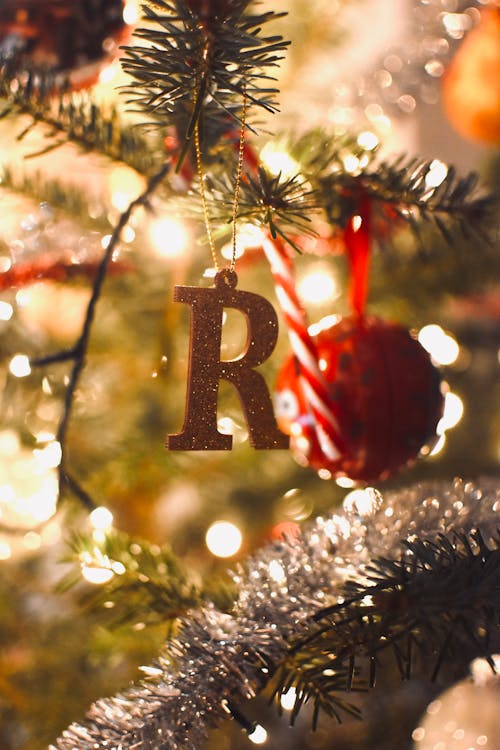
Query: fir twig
[199,60]
[441,597]
[73,117]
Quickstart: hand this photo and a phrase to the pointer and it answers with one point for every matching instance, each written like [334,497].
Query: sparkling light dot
[20,366]
[6,311]
[169,237]
[258,736]
[101,518]
[287,700]
[363,502]
[5,551]
[223,539]
[277,571]
[442,347]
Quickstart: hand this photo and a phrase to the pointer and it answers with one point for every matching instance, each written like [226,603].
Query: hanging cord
[239,170]
[203,196]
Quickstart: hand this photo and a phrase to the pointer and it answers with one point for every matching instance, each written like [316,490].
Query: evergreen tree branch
[73,118]
[441,598]
[199,61]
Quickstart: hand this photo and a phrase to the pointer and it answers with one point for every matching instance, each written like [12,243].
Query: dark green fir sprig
[200,58]
[441,598]
[148,583]
[74,117]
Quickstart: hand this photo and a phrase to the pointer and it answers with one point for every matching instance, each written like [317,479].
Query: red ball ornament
[385,395]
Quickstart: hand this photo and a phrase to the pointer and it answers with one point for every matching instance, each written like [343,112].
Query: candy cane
[313,385]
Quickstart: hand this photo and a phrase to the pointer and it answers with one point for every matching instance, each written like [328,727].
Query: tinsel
[219,660]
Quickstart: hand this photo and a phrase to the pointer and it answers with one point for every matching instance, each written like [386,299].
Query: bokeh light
[223,539]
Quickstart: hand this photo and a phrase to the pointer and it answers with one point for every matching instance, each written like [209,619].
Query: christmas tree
[249,370]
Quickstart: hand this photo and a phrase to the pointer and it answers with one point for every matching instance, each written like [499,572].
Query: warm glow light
[318,286]
[48,457]
[351,163]
[6,311]
[452,413]
[130,12]
[97,576]
[278,161]
[277,571]
[438,446]
[109,73]
[287,699]
[442,347]
[258,736]
[96,567]
[345,482]
[124,186]
[436,174]
[223,539]
[20,366]
[363,501]
[368,140]
[5,551]
[101,518]
[169,237]
[247,236]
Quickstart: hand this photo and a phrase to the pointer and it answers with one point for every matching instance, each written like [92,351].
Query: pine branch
[278,627]
[442,598]
[73,118]
[405,189]
[149,584]
[200,59]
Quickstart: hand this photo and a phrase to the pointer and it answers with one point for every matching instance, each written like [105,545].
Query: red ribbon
[357,238]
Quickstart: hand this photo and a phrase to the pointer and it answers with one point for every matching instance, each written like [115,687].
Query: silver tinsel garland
[215,661]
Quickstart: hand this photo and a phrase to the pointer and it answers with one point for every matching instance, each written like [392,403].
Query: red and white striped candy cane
[313,384]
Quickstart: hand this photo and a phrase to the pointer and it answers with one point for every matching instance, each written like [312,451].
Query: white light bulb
[223,539]
[287,699]
[20,366]
[258,736]
[101,518]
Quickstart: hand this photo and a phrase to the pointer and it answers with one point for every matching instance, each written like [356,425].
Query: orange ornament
[471,86]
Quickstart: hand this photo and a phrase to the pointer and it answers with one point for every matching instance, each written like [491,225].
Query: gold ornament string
[201,176]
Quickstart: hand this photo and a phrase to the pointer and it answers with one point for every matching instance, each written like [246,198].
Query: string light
[223,539]
[452,412]
[442,347]
[6,311]
[278,161]
[318,286]
[169,237]
[101,518]
[130,12]
[287,699]
[20,366]
[258,736]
